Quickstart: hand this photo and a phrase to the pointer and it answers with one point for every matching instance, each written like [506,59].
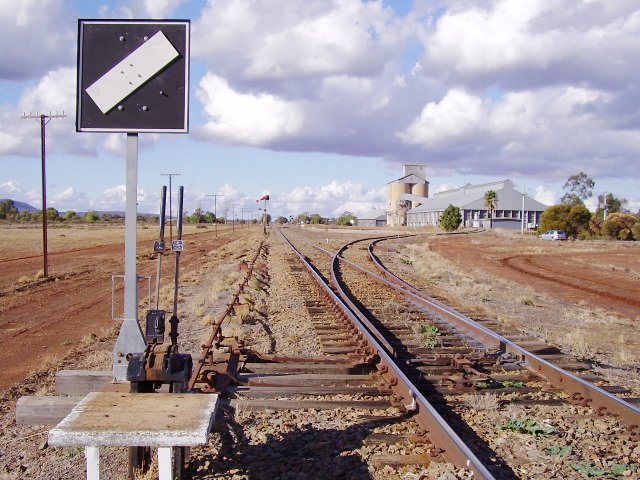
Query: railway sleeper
[303,391]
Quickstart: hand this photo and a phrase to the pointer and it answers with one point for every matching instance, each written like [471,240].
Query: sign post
[133,76]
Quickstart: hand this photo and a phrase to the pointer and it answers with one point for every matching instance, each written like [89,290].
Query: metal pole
[170,175]
[44,119]
[170,212]
[130,339]
[215,209]
[163,207]
[233,216]
[44,197]
[523,194]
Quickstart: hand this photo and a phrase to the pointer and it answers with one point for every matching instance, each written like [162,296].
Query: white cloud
[335,198]
[37,35]
[545,195]
[533,42]
[68,199]
[161,8]
[10,188]
[286,39]
[54,94]
[458,116]
[246,118]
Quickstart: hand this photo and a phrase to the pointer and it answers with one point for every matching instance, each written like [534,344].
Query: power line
[44,119]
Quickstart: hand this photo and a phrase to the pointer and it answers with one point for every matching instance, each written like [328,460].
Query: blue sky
[319,102]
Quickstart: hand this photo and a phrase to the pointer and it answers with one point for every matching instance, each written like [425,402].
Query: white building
[470,200]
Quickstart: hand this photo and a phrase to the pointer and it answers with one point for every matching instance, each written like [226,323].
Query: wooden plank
[81,382]
[307,379]
[296,367]
[276,392]
[381,460]
[283,405]
[44,410]
[388,439]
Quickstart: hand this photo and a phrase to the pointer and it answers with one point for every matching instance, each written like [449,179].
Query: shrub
[91,216]
[450,219]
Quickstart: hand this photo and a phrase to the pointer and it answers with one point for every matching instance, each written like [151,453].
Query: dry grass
[23,241]
[590,333]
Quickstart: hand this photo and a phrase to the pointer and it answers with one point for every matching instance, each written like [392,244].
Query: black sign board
[133,76]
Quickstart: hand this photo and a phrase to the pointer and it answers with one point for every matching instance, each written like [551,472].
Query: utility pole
[242,214]
[215,212]
[524,189]
[233,216]
[44,119]
[170,175]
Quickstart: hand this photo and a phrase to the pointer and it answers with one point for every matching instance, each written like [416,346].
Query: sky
[319,103]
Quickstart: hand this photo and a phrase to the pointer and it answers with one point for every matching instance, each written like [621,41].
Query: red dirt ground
[602,274]
[44,320]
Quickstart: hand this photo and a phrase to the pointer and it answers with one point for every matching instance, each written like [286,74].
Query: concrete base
[162,420]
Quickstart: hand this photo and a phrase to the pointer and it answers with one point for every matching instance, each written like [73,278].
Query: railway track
[444,359]
[396,383]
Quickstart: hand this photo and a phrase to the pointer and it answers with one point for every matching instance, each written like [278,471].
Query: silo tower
[405,193]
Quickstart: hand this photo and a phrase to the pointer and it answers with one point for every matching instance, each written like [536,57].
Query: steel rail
[440,432]
[580,390]
[217,326]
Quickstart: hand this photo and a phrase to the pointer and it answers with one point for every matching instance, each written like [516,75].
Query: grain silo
[405,193]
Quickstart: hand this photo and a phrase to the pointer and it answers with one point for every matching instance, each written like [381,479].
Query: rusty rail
[453,449]
[216,333]
[580,390]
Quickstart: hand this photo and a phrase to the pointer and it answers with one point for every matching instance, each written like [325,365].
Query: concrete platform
[137,419]
[162,420]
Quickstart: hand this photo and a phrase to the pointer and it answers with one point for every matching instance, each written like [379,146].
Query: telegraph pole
[215,205]
[233,216]
[44,119]
[170,175]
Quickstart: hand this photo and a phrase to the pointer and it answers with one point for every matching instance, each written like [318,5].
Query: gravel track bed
[303,443]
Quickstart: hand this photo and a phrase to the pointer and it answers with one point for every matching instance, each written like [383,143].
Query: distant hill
[21,206]
[25,207]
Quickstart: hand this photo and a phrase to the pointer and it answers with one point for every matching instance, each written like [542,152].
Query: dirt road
[602,274]
[45,319]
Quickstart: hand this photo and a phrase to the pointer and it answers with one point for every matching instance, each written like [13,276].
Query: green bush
[91,216]
[450,219]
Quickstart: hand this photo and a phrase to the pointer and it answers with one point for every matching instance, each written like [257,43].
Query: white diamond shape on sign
[131,73]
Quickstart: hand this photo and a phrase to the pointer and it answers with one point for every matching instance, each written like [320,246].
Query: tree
[490,201]
[610,203]
[281,220]
[577,189]
[302,218]
[209,217]
[91,216]
[578,220]
[316,219]
[450,219]
[556,217]
[196,217]
[619,226]
[7,209]
[346,219]
[70,215]
[52,214]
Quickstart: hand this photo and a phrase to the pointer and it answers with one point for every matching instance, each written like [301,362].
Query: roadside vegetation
[611,220]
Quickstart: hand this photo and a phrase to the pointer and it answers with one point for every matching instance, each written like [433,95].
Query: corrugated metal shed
[470,200]
[375,218]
